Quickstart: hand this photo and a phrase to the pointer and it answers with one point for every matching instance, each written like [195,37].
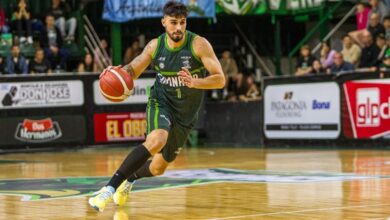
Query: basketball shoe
[100,198]
[121,194]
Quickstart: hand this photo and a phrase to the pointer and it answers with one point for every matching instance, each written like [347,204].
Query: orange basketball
[115,84]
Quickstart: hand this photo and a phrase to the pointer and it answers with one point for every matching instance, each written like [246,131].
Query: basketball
[115,84]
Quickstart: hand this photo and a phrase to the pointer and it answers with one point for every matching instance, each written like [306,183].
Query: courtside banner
[368,103]
[41,94]
[113,127]
[42,129]
[139,96]
[302,111]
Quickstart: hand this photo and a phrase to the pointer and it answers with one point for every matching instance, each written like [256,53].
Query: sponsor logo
[172,81]
[37,131]
[302,111]
[41,94]
[320,105]
[186,61]
[49,188]
[165,117]
[288,107]
[113,127]
[368,104]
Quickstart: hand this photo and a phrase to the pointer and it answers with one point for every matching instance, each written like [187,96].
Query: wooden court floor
[204,183]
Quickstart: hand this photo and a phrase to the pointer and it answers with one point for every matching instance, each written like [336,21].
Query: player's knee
[154,145]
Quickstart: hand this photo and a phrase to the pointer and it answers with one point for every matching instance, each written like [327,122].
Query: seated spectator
[351,52]
[386,25]
[22,18]
[229,67]
[132,52]
[339,65]
[378,7]
[252,92]
[304,61]
[375,27]
[240,88]
[370,52]
[385,65]
[326,57]
[100,59]
[381,43]
[16,63]
[2,66]
[87,65]
[51,42]
[67,25]
[317,68]
[39,64]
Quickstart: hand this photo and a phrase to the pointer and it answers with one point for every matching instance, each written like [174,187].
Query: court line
[89,194]
[298,211]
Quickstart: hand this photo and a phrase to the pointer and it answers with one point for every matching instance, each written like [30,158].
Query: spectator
[67,25]
[87,65]
[51,41]
[100,59]
[3,22]
[378,7]
[16,63]
[326,55]
[22,17]
[385,65]
[381,43]
[252,92]
[339,65]
[370,52]
[317,68]
[132,52]
[351,52]
[229,67]
[2,66]
[386,24]
[375,27]
[240,88]
[362,16]
[304,61]
[39,64]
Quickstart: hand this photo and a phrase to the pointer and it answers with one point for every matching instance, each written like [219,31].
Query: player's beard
[176,36]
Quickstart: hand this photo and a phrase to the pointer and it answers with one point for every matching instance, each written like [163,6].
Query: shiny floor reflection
[205,183]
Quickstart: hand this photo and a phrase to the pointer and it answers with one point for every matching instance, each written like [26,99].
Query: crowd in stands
[53,29]
[367,48]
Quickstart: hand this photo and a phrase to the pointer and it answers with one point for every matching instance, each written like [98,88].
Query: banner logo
[41,94]
[38,131]
[368,104]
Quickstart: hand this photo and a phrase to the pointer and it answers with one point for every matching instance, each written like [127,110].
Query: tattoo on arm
[129,69]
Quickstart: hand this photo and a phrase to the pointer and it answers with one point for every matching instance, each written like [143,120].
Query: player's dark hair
[175,9]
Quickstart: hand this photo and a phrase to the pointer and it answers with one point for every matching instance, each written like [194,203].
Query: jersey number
[178,93]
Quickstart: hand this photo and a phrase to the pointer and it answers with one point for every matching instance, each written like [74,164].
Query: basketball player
[181,59]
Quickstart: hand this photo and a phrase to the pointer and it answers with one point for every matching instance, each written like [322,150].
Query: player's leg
[153,167]
[176,139]
[157,137]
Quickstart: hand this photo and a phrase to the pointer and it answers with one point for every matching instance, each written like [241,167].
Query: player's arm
[138,65]
[205,52]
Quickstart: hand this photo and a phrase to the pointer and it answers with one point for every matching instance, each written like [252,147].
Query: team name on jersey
[172,81]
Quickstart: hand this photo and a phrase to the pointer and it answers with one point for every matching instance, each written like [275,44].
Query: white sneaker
[123,191]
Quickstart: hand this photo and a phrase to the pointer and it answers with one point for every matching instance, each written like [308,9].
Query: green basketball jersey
[168,90]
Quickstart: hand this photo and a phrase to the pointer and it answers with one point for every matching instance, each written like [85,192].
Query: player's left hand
[186,77]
